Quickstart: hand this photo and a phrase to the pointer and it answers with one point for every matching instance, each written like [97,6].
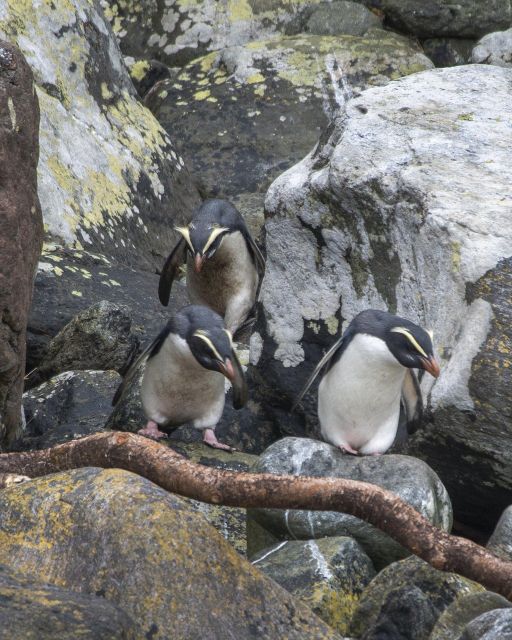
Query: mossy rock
[31,610]
[109,176]
[327,574]
[247,113]
[115,534]
[462,611]
[399,590]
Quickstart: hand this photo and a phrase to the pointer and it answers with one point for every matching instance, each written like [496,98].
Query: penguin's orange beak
[198,262]
[431,365]
[226,368]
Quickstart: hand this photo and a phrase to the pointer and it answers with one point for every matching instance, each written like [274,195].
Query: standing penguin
[224,265]
[184,376]
[367,373]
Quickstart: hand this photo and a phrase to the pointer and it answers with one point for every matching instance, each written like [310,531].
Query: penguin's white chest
[359,397]
[176,389]
[227,282]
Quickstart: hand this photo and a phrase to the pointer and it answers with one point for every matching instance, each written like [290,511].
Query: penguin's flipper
[259,260]
[239,384]
[339,344]
[172,264]
[412,401]
[150,350]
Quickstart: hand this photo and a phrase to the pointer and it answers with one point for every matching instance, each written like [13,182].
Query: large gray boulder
[500,541]
[493,625]
[405,207]
[114,533]
[327,574]
[462,19]
[68,406]
[109,175]
[405,599]
[494,48]
[408,478]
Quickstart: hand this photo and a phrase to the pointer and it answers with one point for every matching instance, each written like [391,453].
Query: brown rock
[21,226]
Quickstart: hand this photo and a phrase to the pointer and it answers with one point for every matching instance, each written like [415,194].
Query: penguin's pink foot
[152,431]
[346,448]
[210,439]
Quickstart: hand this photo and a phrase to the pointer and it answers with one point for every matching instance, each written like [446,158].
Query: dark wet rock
[68,282]
[462,611]
[68,406]
[448,52]
[410,479]
[500,541]
[146,73]
[387,606]
[407,613]
[432,18]
[493,625]
[327,574]
[494,48]
[99,338]
[366,221]
[115,534]
[341,17]
[110,179]
[247,113]
[30,610]
[21,227]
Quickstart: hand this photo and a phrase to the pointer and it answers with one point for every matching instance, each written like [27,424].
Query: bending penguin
[224,265]
[184,376]
[367,373]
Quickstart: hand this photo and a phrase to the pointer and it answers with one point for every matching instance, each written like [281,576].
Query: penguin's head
[213,349]
[203,238]
[412,347]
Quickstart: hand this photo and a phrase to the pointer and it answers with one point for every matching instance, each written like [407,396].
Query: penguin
[184,376]
[224,265]
[367,376]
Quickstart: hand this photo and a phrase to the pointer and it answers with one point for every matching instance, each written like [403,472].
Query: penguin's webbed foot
[210,439]
[152,431]
[346,448]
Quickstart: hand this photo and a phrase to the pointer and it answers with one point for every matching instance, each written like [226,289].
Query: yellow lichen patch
[260,90]
[203,82]
[205,63]
[220,80]
[255,78]
[57,271]
[106,94]
[202,95]
[455,246]
[334,607]
[211,99]
[76,293]
[139,69]
[332,325]
[239,10]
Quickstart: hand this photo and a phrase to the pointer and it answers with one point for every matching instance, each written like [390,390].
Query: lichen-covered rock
[69,281]
[408,478]
[448,52]
[328,575]
[21,227]
[68,406]
[113,533]
[247,113]
[341,17]
[391,598]
[177,31]
[34,611]
[463,19]
[493,625]
[494,48]
[109,176]
[462,611]
[500,542]
[99,338]
[405,207]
